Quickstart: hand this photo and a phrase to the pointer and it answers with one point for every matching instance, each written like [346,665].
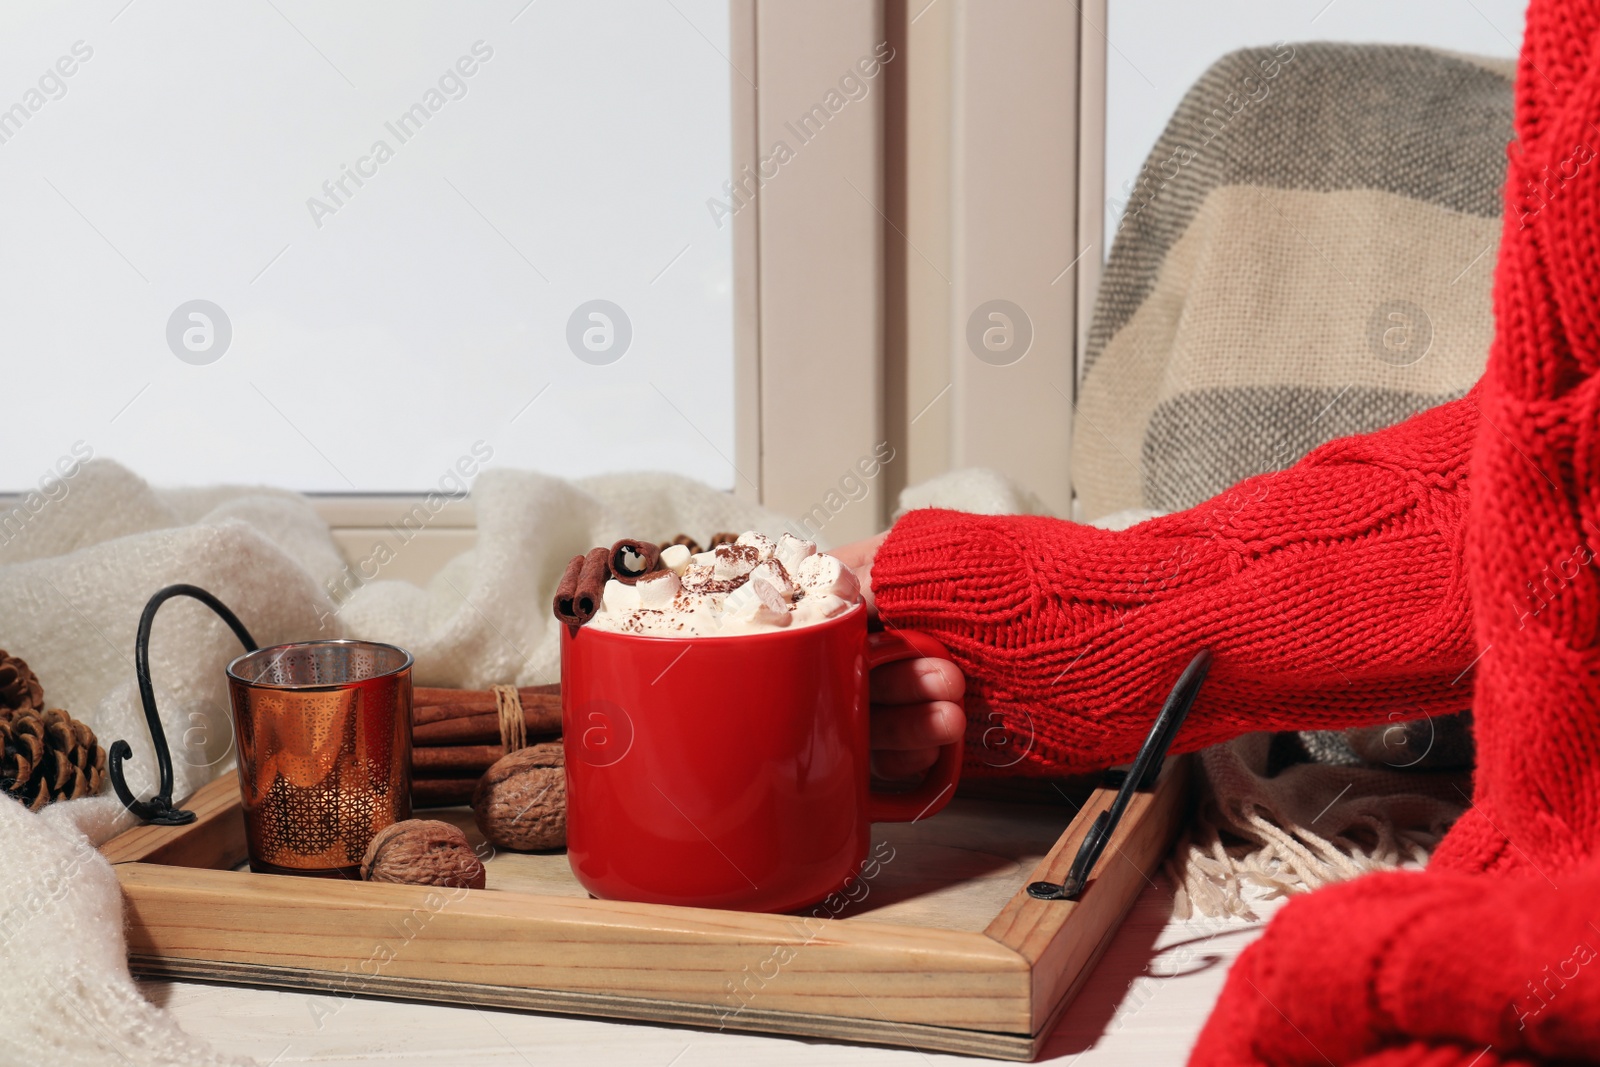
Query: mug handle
[935,792]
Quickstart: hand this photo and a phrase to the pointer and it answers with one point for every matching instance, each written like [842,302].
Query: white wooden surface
[1146,1003]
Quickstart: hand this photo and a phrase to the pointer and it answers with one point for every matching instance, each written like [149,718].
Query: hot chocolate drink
[753,585]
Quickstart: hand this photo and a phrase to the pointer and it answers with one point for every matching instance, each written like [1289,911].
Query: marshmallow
[618,598]
[697,576]
[817,608]
[734,561]
[771,599]
[657,590]
[749,586]
[692,616]
[770,572]
[764,545]
[754,605]
[676,558]
[792,550]
[824,575]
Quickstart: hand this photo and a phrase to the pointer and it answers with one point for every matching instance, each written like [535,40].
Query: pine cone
[19,686]
[48,756]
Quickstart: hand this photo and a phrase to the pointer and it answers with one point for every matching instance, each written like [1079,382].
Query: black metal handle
[158,809]
[1146,768]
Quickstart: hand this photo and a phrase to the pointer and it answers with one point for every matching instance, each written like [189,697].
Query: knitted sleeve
[1421,970]
[1536,469]
[1488,957]
[1331,594]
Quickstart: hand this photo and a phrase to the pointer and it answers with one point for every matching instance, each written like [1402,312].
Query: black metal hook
[1146,768]
[158,809]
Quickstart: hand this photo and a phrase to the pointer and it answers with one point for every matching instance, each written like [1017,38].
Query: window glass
[337,247]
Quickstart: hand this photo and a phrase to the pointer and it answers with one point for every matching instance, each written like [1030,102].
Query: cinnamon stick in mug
[592,582]
[566,606]
[578,595]
[631,560]
[687,542]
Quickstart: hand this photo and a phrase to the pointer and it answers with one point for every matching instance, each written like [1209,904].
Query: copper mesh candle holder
[324,743]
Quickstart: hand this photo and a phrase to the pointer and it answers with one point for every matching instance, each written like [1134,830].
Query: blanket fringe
[1256,838]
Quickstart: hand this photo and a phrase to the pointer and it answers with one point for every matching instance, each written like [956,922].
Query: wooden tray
[942,949]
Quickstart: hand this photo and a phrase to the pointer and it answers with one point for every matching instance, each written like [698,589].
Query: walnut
[521,802]
[423,852]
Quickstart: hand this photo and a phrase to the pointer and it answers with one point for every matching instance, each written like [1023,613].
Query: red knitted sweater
[1338,592]
[1332,594]
[1493,955]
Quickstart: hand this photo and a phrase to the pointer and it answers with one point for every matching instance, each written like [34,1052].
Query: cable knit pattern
[1538,713]
[1416,968]
[1331,594]
[1494,952]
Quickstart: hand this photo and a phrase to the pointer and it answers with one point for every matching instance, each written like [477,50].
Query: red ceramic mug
[729,772]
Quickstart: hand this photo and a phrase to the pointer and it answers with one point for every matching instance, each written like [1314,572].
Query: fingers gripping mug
[731,771]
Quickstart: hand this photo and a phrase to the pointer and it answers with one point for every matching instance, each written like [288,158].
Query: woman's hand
[858,556]
[913,714]
[914,709]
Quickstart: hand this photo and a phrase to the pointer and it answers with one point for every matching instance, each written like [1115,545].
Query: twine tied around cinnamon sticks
[513,728]
[457,734]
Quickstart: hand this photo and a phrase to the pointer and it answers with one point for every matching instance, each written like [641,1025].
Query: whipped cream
[755,585]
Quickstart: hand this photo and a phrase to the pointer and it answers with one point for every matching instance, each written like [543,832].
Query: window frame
[855,265]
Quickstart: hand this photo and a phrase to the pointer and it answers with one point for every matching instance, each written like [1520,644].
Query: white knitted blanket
[75,573]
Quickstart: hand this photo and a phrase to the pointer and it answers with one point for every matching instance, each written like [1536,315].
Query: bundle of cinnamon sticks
[456,736]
